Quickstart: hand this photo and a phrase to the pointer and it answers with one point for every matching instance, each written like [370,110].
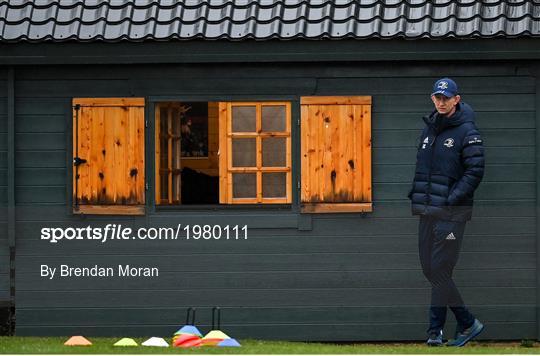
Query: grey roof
[137,20]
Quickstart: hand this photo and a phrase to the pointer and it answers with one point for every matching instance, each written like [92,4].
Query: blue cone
[229,343]
[188,329]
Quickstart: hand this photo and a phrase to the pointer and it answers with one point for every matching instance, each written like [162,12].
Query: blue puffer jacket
[449,166]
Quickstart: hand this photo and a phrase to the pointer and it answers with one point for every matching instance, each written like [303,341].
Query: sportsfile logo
[120,232]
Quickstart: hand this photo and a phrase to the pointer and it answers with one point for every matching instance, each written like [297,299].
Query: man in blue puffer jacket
[449,168]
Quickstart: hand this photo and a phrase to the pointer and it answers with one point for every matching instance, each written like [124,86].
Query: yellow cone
[77,341]
[216,334]
[126,342]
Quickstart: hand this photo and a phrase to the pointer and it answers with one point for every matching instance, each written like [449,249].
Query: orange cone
[77,341]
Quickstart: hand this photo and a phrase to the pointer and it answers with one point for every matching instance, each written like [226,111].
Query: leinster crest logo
[442,85]
[449,142]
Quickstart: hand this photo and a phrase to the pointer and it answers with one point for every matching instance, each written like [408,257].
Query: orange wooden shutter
[108,151]
[336,154]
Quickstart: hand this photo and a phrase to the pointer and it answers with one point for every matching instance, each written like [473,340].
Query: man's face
[444,105]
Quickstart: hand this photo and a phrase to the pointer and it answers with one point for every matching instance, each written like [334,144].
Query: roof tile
[136,20]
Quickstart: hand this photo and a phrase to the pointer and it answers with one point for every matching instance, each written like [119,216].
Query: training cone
[155,342]
[229,343]
[77,341]
[126,342]
[186,340]
[188,335]
[210,342]
[190,327]
[192,343]
[215,336]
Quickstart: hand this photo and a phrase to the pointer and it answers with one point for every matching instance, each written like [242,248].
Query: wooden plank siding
[4,246]
[344,274]
[537,102]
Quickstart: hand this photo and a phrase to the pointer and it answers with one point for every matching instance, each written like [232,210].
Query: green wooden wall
[4,248]
[321,277]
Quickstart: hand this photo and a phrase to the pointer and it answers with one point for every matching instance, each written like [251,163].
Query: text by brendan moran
[125,271]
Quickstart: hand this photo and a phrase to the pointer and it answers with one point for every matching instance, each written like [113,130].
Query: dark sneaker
[435,339]
[467,335]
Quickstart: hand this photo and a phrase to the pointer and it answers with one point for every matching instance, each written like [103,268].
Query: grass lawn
[54,345]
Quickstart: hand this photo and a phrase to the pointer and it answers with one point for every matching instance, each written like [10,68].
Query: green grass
[54,345]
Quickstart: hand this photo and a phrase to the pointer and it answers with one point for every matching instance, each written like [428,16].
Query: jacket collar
[438,122]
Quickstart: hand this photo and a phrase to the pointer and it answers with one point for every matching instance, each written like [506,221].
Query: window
[255,153]
[108,156]
[223,153]
[336,154]
[187,153]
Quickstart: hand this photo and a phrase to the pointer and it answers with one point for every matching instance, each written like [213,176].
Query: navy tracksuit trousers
[439,243]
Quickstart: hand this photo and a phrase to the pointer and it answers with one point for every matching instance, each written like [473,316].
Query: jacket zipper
[432,146]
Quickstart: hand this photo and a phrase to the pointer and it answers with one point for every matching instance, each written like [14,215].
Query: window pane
[273,118]
[274,152]
[163,119]
[175,141]
[163,161]
[163,156]
[243,152]
[177,188]
[244,185]
[193,117]
[274,185]
[164,186]
[175,121]
[244,119]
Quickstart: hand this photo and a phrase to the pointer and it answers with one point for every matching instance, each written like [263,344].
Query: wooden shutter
[336,154]
[108,152]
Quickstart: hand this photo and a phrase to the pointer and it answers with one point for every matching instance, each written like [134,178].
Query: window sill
[109,210]
[223,207]
[329,208]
